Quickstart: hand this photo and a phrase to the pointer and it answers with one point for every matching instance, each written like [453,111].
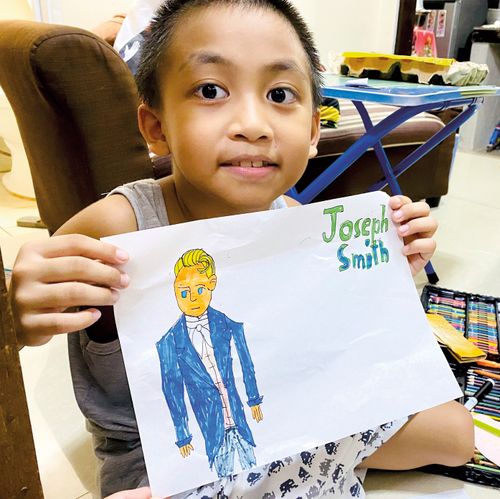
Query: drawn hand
[417,228]
[185,450]
[257,413]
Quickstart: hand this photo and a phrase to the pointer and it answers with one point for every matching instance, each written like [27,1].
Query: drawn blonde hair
[194,257]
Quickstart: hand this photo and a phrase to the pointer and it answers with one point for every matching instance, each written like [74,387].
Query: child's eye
[184,294]
[200,291]
[211,91]
[281,95]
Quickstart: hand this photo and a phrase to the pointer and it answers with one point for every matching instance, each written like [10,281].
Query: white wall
[15,9]
[338,25]
[351,25]
[82,13]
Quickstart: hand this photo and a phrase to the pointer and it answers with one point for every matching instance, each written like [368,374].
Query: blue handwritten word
[379,254]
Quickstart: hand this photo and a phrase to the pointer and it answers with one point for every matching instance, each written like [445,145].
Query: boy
[231,89]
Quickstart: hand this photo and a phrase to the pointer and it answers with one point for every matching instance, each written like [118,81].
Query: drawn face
[236,109]
[193,290]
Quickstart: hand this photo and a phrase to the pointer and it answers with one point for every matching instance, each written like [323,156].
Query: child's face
[237,112]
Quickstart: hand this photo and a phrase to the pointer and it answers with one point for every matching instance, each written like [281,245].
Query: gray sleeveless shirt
[98,372]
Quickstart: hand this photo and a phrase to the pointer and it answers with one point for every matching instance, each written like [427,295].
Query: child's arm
[70,269]
[108,30]
[417,228]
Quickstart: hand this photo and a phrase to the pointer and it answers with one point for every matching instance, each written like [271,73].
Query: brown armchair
[75,103]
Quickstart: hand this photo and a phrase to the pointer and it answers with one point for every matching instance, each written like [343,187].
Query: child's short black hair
[165,22]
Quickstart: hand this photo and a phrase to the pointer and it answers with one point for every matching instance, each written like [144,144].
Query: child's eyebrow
[285,65]
[201,58]
[278,66]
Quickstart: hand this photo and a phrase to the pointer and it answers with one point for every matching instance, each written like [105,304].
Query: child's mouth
[249,164]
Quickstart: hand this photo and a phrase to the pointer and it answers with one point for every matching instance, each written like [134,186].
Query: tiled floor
[468,258]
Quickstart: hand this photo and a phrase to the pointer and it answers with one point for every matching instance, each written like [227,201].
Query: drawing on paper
[196,358]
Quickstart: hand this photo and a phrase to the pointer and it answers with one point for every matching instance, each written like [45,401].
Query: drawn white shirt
[199,334]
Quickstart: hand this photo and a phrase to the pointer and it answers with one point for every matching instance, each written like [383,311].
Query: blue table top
[399,93]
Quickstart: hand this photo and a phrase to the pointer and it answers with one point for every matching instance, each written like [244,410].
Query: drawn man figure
[195,356]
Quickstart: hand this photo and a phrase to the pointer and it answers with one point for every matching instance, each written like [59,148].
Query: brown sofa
[426,179]
[75,102]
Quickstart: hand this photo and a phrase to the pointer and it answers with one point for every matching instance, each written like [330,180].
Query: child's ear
[150,127]
[315,134]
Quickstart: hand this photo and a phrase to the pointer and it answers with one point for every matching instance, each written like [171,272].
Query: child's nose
[251,121]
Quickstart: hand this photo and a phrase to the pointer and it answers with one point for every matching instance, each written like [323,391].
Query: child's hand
[417,228]
[61,272]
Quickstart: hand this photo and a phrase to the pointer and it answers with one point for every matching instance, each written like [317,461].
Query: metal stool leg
[390,176]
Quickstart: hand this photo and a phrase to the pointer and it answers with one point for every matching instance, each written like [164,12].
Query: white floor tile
[475,178]
[10,214]
[407,484]
[468,238]
[9,200]
[29,232]
[63,446]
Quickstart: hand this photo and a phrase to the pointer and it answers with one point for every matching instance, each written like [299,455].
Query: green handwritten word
[378,254]
[361,227]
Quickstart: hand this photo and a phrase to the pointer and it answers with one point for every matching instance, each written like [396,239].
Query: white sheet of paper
[335,352]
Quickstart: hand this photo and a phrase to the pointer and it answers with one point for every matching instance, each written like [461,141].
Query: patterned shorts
[320,472]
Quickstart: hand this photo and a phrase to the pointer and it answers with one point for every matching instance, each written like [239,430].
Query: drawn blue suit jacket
[182,370]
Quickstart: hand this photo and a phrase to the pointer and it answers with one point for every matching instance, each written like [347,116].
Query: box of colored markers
[477,317]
